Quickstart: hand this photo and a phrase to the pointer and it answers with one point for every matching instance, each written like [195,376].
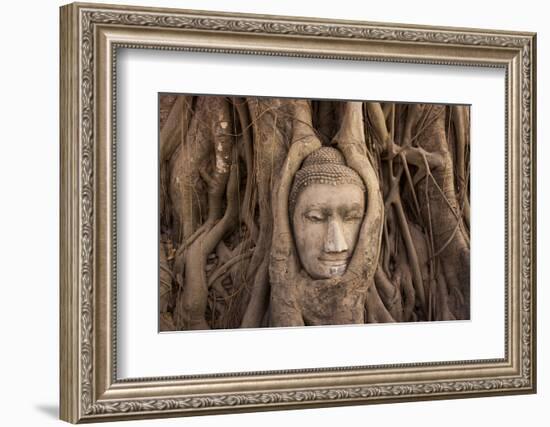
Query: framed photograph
[267,212]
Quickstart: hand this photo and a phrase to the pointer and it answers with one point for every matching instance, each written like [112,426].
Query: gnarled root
[191,304]
[283,264]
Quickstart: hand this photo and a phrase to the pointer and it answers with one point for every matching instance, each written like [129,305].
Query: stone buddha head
[326,207]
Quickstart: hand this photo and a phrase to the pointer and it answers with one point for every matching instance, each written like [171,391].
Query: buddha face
[326,223]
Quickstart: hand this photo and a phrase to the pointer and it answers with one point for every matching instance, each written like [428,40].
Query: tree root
[227,165]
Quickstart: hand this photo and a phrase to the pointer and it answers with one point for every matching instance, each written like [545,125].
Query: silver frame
[90,37]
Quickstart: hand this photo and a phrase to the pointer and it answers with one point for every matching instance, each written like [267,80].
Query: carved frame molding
[90,36]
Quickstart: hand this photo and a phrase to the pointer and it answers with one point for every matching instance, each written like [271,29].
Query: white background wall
[29,171]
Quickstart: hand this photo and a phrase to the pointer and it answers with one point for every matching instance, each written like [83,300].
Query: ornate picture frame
[91,36]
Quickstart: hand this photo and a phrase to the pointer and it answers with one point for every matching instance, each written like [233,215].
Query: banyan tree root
[229,258]
[442,211]
[420,143]
[222,179]
[283,265]
[297,299]
[272,133]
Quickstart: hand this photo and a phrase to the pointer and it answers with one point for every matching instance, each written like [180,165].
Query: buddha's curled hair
[326,165]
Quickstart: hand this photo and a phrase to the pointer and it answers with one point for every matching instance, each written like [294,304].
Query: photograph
[282,212]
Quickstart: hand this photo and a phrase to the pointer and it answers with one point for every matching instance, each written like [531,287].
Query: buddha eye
[315,217]
[353,217]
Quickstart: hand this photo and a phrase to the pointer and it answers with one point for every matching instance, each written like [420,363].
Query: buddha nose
[335,240]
